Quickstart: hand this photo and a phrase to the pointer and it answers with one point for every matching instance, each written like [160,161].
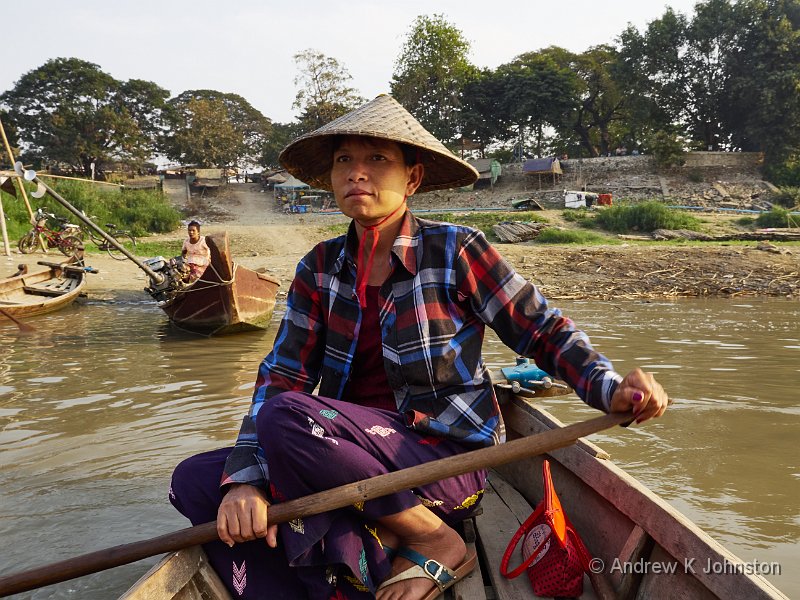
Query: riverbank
[263,236]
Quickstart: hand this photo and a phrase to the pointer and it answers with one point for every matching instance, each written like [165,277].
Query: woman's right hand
[242,516]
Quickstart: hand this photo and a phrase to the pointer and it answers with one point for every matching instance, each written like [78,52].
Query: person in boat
[195,252]
[388,320]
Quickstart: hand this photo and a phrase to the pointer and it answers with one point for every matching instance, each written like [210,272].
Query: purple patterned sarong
[313,444]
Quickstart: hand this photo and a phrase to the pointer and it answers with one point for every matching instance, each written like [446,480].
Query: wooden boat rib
[621,521]
[227,298]
[40,291]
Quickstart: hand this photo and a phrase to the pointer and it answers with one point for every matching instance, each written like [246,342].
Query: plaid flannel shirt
[446,285]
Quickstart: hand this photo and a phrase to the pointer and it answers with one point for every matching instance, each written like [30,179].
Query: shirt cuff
[608,385]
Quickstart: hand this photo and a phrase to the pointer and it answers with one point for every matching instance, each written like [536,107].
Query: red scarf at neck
[362,275]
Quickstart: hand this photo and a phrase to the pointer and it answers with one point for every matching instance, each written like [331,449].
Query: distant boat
[28,293]
[227,298]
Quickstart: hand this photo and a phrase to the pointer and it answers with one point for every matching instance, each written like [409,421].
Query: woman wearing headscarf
[388,320]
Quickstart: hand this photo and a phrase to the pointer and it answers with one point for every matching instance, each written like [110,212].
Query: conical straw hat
[310,157]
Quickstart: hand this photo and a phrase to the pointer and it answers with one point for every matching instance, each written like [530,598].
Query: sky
[246,47]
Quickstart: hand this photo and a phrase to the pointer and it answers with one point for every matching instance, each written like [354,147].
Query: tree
[12,135]
[146,104]
[430,73]
[282,134]
[324,94]
[602,103]
[69,111]
[651,69]
[709,37]
[208,137]
[537,93]
[762,103]
[211,128]
[484,119]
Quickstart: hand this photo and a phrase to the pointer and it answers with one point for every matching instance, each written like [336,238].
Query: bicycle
[66,228]
[123,237]
[64,240]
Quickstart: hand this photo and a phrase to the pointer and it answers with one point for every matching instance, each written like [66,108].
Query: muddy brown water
[98,407]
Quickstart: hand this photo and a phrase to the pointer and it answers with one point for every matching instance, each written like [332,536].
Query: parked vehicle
[124,238]
[64,239]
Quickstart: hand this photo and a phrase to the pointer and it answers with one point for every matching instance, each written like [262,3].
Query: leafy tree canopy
[282,134]
[69,111]
[430,73]
[213,129]
[762,92]
[324,94]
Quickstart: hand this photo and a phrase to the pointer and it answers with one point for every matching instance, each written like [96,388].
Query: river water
[100,404]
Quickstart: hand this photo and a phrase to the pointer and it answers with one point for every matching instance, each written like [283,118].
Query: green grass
[166,248]
[572,236]
[644,216]
[777,218]
[140,211]
[144,248]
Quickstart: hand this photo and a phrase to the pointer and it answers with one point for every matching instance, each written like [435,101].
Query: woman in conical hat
[388,320]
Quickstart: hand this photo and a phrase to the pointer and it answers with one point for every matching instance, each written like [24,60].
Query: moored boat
[42,290]
[641,546]
[227,298]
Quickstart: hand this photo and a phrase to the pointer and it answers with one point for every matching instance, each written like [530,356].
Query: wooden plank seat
[56,287]
[66,267]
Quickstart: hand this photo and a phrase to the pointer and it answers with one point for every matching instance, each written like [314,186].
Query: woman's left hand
[641,393]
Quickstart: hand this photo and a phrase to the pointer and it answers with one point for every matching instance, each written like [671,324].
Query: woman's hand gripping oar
[320,502]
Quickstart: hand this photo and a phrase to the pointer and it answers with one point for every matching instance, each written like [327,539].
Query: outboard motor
[174,272]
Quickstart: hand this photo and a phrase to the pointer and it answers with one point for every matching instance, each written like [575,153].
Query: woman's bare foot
[443,545]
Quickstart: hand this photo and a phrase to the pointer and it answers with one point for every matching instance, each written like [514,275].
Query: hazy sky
[246,47]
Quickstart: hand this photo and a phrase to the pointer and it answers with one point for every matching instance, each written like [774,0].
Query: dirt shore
[263,236]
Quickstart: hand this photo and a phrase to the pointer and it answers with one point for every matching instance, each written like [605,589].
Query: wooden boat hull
[185,575]
[42,290]
[620,520]
[227,298]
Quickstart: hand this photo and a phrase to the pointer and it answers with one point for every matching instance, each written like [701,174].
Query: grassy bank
[140,211]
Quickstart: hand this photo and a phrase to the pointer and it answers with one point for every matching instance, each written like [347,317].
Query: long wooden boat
[43,290]
[227,298]
[648,548]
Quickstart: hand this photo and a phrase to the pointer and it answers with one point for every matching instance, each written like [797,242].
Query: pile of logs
[512,232]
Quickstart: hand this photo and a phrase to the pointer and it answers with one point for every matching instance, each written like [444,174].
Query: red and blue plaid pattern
[447,284]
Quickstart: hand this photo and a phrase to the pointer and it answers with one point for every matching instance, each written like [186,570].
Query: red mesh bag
[552,551]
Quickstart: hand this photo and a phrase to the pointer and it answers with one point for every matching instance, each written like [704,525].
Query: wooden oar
[23,327]
[320,502]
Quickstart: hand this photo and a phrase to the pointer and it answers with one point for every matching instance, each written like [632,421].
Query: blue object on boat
[524,371]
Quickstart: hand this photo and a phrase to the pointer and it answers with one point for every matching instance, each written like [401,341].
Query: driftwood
[775,235]
[512,232]
[683,234]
